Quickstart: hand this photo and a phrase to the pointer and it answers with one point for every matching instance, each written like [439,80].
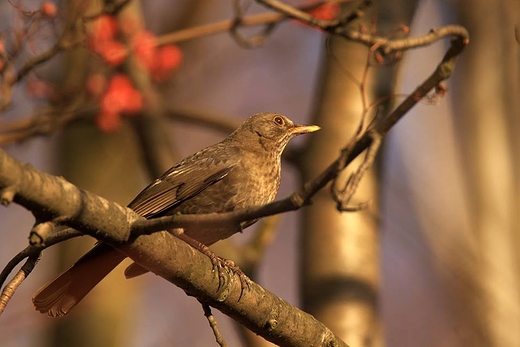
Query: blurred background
[431,262]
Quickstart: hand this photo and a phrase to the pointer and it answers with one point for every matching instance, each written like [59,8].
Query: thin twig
[387,44]
[214,325]
[110,8]
[293,12]
[251,42]
[43,123]
[9,290]
[344,195]
[227,25]
[32,251]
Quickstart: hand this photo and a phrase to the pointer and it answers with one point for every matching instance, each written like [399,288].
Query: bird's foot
[221,264]
[245,282]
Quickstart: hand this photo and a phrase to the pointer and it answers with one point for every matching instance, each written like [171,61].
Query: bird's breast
[246,185]
[259,185]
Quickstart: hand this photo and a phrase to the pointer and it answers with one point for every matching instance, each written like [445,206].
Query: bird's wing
[185,180]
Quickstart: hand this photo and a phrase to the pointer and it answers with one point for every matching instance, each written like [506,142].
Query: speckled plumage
[241,171]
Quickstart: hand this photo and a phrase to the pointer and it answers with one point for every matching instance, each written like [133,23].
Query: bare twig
[9,290]
[40,59]
[43,123]
[293,12]
[29,251]
[32,251]
[344,195]
[227,25]
[214,325]
[251,42]
[110,8]
[387,45]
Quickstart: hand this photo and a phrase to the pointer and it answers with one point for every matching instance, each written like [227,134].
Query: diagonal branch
[258,309]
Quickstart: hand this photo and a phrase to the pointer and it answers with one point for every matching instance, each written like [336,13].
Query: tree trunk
[487,114]
[340,251]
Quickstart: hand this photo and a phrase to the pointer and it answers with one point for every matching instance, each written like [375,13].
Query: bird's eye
[279,120]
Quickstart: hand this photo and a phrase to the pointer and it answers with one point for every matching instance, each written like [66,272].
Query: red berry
[49,9]
[121,96]
[327,11]
[169,59]
[104,28]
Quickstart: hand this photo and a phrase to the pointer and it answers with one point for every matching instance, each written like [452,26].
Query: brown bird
[241,171]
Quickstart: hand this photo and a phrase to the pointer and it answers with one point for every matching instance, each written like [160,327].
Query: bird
[241,171]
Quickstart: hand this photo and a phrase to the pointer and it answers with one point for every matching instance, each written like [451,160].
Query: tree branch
[387,45]
[258,309]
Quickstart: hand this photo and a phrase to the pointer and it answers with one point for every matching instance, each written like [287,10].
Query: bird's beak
[304,129]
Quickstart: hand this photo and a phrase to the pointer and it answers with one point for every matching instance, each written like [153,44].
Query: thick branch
[51,197]
[165,255]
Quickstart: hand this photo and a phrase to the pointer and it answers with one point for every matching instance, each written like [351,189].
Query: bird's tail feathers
[59,296]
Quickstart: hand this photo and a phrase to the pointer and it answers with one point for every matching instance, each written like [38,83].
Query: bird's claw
[221,264]
[245,282]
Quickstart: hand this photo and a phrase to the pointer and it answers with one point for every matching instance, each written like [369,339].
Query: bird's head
[272,131]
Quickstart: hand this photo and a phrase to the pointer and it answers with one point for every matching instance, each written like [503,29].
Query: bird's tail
[59,296]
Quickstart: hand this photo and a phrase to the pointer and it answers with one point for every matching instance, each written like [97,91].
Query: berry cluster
[115,42]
